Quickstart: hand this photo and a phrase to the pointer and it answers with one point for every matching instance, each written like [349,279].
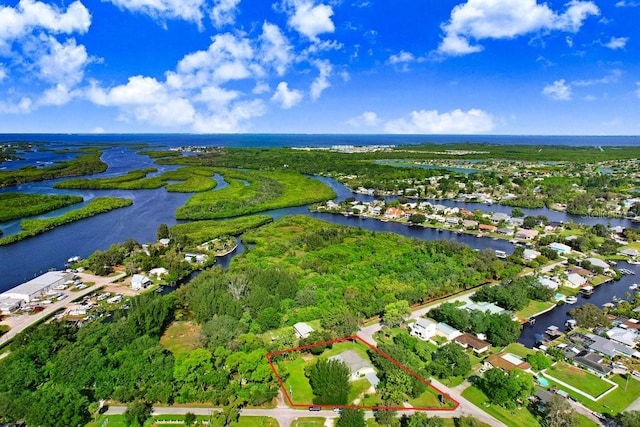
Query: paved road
[19,323]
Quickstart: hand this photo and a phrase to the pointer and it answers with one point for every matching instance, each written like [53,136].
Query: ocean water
[319,140]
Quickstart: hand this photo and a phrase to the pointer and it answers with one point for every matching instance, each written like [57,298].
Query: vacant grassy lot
[534,307]
[578,378]
[516,418]
[308,422]
[297,384]
[181,337]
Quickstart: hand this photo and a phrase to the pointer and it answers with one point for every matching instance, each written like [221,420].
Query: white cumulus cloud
[558,91]
[616,43]
[476,20]
[63,62]
[368,119]
[310,19]
[162,10]
[322,81]
[286,97]
[454,122]
[224,12]
[276,51]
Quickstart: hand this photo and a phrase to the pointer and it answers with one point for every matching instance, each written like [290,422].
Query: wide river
[23,260]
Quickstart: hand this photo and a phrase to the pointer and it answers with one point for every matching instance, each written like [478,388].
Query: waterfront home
[139,282]
[629,252]
[158,272]
[525,234]
[423,328]
[498,217]
[488,228]
[358,367]
[574,269]
[467,340]
[575,280]
[506,231]
[164,242]
[469,224]
[302,329]
[452,220]
[597,262]
[593,362]
[196,258]
[561,248]
[448,332]
[394,213]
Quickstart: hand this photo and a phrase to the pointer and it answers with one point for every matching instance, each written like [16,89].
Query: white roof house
[423,328]
[597,262]
[358,366]
[37,286]
[302,329]
[159,272]
[523,233]
[139,281]
[624,336]
[548,283]
[446,331]
[484,306]
[530,254]
[560,247]
[575,280]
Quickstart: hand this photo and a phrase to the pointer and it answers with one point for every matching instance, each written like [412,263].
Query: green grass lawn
[517,418]
[452,381]
[519,350]
[534,307]
[308,422]
[578,378]
[113,421]
[598,280]
[357,388]
[181,337]
[344,346]
[297,384]
[614,402]
[428,399]
[583,421]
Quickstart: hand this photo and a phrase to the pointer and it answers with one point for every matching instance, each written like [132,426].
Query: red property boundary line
[377,350]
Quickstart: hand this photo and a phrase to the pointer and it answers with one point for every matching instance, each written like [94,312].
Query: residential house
[196,258]
[574,269]
[525,234]
[423,328]
[551,284]
[561,248]
[506,231]
[139,282]
[507,361]
[164,242]
[452,220]
[597,262]
[476,344]
[609,348]
[593,362]
[302,329]
[448,332]
[530,254]
[158,272]
[488,228]
[633,253]
[358,367]
[469,224]
[624,336]
[483,306]
[394,213]
[498,217]
[575,280]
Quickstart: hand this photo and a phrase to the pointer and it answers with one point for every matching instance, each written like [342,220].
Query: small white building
[197,258]
[423,328]
[302,329]
[158,272]
[139,282]
[530,254]
[575,280]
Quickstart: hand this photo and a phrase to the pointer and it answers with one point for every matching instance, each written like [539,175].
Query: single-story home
[358,366]
[469,223]
[469,341]
[593,362]
[158,272]
[629,252]
[561,248]
[448,332]
[483,306]
[488,228]
[579,270]
[575,280]
[499,216]
[624,336]
[597,262]
[530,254]
[302,329]
[506,231]
[525,234]
[551,284]
[197,258]
[164,242]
[423,328]
[139,282]
[508,361]
[394,213]
[610,348]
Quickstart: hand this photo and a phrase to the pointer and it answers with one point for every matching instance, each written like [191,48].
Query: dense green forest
[296,268]
[20,205]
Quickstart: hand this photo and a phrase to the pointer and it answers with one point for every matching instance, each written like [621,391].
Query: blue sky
[321,66]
